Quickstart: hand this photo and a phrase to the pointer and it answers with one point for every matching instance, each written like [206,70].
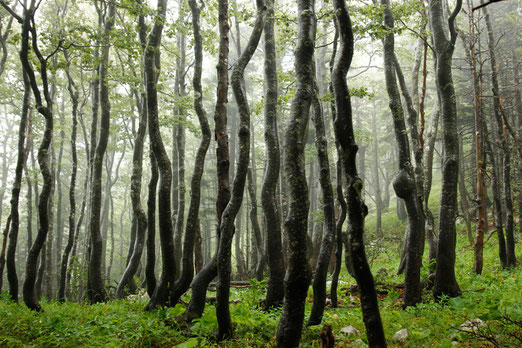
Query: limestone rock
[400,335]
[350,330]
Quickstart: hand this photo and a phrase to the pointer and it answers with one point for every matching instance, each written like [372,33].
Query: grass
[430,324]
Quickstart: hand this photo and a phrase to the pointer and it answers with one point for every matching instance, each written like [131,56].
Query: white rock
[358,343]
[471,325]
[400,335]
[350,330]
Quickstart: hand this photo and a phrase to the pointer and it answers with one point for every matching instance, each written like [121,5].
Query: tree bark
[15,195]
[298,274]
[405,183]
[28,28]
[269,202]
[233,206]
[192,228]
[95,284]
[73,94]
[209,272]
[357,210]
[502,138]
[163,294]
[325,251]
[445,281]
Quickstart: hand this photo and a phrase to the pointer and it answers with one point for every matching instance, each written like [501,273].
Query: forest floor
[495,297]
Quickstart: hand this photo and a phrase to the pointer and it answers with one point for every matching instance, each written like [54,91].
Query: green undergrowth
[489,297]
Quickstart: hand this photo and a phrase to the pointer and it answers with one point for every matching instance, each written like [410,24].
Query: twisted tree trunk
[298,274]
[269,202]
[357,210]
[445,281]
[192,228]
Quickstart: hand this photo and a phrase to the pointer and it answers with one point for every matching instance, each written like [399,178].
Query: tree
[163,293]
[229,214]
[405,183]
[73,94]
[29,30]
[187,273]
[298,274]
[356,209]
[445,281]
[272,215]
[95,284]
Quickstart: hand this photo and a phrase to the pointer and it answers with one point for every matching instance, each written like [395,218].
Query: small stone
[471,325]
[400,335]
[350,330]
[358,343]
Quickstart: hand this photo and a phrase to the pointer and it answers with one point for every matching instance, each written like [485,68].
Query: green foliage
[491,297]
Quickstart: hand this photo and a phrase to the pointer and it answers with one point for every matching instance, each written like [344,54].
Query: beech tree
[356,209]
[298,274]
[445,281]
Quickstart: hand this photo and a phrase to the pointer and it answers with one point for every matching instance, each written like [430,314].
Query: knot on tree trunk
[403,184]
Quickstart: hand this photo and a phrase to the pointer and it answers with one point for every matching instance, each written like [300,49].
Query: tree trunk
[192,228]
[298,274]
[502,138]
[95,284]
[445,281]
[23,130]
[431,136]
[269,202]
[163,292]
[209,272]
[376,179]
[258,237]
[357,210]
[27,23]
[325,251]
[139,215]
[73,94]
[233,206]
[405,183]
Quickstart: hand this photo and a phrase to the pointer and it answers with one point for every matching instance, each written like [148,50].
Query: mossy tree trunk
[95,284]
[163,292]
[229,214]
[269,201]
[445,281]
[298,275]
[192,227]
[405,183]
[356,208]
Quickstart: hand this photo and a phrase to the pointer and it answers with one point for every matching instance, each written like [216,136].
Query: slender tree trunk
[431,136]
[233,206]
[405,183]
[150,266]
[463,192]
[192,229]
[73,93]
[500,117]
[258,237]
[376,179]
[325,251]
[445,281]
[139,215]
[357,210]
[163,292]
[209,272]
[298,274]
[17,185]
[95,284]
[269,202]
[27,23]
